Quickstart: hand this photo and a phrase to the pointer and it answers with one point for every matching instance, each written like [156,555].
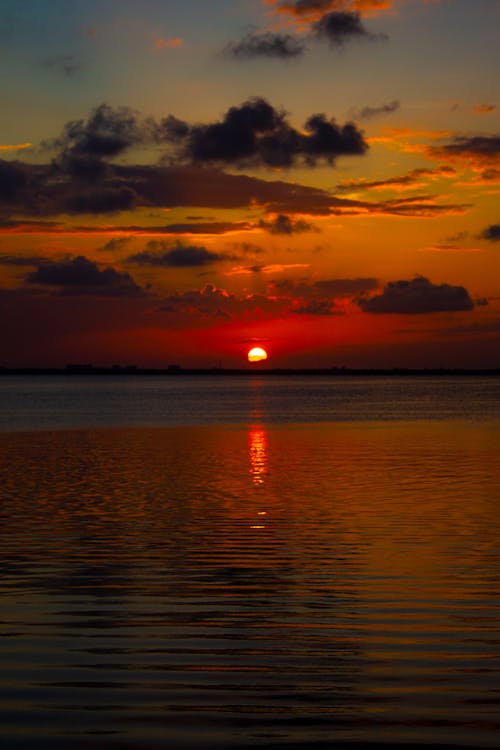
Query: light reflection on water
[271,586]
[257,453]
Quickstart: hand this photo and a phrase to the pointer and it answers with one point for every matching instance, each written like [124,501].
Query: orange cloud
[308,11]
[271,268]
[14,147]
[161,43]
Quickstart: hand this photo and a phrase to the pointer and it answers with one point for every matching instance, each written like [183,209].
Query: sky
[180,182]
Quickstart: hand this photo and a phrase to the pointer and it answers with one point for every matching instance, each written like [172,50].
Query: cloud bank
[417,296]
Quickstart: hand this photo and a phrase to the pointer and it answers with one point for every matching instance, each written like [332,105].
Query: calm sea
[212,563]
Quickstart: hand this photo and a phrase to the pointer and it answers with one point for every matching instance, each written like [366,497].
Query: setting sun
[257,354]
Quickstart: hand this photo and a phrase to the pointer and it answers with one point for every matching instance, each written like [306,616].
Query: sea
[249,562]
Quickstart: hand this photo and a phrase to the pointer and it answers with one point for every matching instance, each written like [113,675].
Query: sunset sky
[182,181]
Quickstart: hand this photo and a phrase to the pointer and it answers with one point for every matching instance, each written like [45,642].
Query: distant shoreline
[178,371]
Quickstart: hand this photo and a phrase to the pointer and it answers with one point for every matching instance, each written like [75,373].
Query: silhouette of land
[254,369]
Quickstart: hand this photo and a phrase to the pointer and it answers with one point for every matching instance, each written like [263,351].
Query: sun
[257,354]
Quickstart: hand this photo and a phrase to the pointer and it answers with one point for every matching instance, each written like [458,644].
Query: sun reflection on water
[257,454]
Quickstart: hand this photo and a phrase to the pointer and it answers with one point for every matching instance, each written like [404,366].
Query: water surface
[48,402]
[326,584]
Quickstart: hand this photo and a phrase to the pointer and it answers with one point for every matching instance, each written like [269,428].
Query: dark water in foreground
[322,584]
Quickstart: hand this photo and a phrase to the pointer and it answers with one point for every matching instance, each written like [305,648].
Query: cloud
[171,43]
[483,109]
[208,227]
[345,287]
[117,243]
[65,63]
[101,200]
[312,10]
[107,133]
[270,268]
[283,224]
[32,190]
[180,256]
[287,296]
[14,177]
[212,303]
[416,176]
[15,146]
[172,128]
[80,275]
[327,288]
[267,44]
[488,176]
[38,190]
[318,307]
[367,113]
[491,233]
[326,297]
[417,296]
[253,133]
[339,27]
[257,134]
[480,149]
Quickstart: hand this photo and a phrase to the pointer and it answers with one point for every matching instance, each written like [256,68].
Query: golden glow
[14,146]
[257,354]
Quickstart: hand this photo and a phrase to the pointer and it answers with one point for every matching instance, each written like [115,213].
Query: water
[271,581]
[32,403]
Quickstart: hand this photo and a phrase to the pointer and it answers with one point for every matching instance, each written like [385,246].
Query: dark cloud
[340,27]
[478,145]
[85,146]
[283,224]
[345,287]
[417,296]
[83,178]
[117,243]
[481,151]
[326,297]
[327,288]
[212,188]
[101,200]
[268,44]
[34,191]
[66,63]
[212,303]
[491,233]
[14,178]
[28,189]
[208,227]
[318,307]
[180,256]
[384,109]
[417,205]
[82,276]
[490,175]
[107,132]
[413,177]
[256,133]
[172,129]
